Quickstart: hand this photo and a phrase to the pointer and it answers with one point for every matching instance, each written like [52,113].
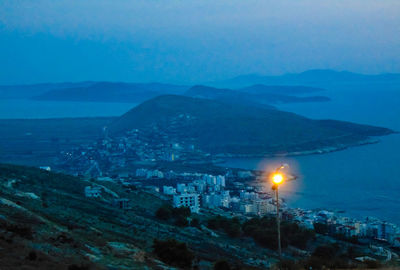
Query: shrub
[179,215]
[32,256]
[232,227]
[222,265]
[321,228]
[181,221]
[164,213]
[286,264]
[372,264]
[181,211]
[22,231]
[78,267]
[264,231]
[326,252]
[195,223]
[173,253]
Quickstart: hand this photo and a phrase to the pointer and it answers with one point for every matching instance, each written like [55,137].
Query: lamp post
[277,179]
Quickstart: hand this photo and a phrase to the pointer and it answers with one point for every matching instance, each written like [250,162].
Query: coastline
[318,151]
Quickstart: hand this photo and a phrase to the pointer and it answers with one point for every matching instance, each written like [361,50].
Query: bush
[164,213]
[326,252]
[22,231]
[288,265]
[232,227]
[32,256]
[264,231]
[178,215]
[173,253]
[222,265]
[181,211]
[314,263]
[332,256]
[372,264]
[78,267]
[321,228]
[195,223]
[181,221]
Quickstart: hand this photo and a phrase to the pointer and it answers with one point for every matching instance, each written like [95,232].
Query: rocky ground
[45,220]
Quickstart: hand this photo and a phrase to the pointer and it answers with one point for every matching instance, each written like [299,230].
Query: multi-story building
[213,200]
[154,174]
[264,207]
[122,203]
[245,195]
[187,200]
[221,180]
[168,190]
[181,188]
[248,208]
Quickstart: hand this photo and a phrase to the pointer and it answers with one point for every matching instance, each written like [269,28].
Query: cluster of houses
[113,153]
[209,191]
[338,225]
[149,174]
[93,192]
[204,191]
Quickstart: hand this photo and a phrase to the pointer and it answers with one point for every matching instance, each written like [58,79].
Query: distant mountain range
[316,77]
[90,91]
[229,128]
[136,93]
[139,92]
[32,90]
[257,94]
[112,92]
[288,88]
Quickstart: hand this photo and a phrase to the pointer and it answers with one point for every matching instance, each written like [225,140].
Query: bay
[362,181]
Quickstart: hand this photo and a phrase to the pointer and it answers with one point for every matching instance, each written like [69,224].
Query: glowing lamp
[277,178]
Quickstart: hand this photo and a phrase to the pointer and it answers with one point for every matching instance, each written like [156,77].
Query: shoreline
[319,151]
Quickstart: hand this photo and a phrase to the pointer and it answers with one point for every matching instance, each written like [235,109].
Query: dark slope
[112,92]
[219,127]
[47,214]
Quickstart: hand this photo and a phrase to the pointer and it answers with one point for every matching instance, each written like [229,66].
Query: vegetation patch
[173,253]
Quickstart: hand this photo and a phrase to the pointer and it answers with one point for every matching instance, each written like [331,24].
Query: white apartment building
[181,188]
[187,200]
[168,190]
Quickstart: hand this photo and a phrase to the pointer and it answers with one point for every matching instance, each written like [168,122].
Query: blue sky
[193,41]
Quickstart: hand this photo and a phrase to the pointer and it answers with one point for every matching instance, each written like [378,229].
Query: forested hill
[230,128]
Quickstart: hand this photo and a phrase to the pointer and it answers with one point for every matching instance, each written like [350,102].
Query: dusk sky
[193,41]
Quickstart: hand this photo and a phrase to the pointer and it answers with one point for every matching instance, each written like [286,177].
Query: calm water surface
[363,181]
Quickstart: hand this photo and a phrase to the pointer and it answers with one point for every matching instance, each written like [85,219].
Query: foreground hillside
[232,129]
[46,222]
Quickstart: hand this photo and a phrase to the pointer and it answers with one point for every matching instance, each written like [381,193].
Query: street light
[278,178]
